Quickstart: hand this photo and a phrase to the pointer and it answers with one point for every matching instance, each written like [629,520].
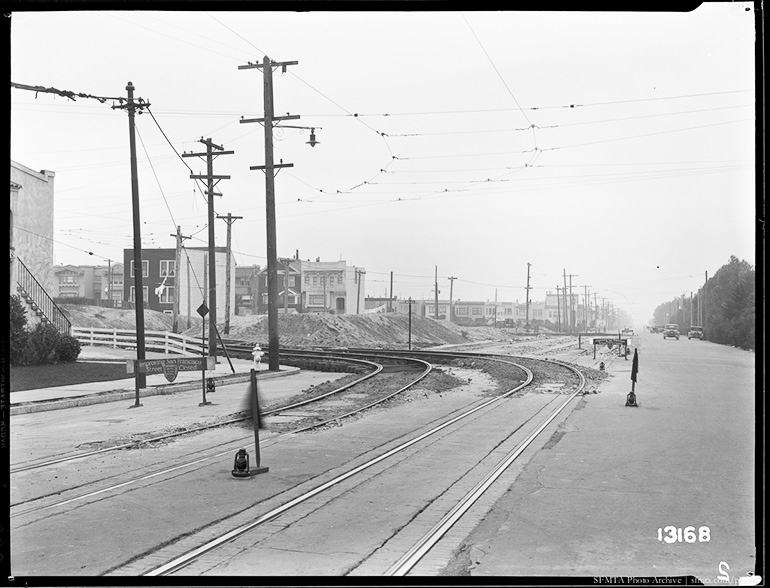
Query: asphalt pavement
[664,489]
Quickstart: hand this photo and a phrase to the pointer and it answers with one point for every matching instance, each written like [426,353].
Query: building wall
[193,291]
[332,286]
[31,223]
[246,289]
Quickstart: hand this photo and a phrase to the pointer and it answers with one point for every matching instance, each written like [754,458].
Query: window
[167,296]
[315,300]
[339,279]
[68,280]
[461,310]
[292,281]
[132,296]
[475,310]
[307,279]
[145,268]
[167,268]
[315,280]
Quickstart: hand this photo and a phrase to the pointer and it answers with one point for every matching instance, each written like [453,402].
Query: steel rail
[200,460]
[34,466]
[185,559]
[428,369]
[424,545]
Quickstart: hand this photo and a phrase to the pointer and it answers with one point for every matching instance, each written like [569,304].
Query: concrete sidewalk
[85,394]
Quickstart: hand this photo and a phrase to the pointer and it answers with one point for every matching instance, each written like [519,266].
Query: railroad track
[360,403]
[420,548]
[394,452]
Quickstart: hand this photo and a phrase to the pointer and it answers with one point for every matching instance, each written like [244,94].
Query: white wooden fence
[159,341]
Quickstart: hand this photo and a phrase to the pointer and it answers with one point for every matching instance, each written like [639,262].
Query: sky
[616,147]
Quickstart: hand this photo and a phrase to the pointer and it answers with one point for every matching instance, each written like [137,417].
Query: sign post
[203,311]
[257,423]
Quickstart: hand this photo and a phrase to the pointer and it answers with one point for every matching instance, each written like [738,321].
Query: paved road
[591,504]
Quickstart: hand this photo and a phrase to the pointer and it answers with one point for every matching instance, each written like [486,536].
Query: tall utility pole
[566,316]
[435,286]
[585,308]
[212,181]
[286,267]
[410,302]
[390,298]
[528,288]
[359,273]
[131,107]
[451,286]
[109,282]
[229,219]
[269,168]
[558,307]
[177,275]
[571,302]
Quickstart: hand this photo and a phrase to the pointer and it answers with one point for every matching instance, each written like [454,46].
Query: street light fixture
[313,141]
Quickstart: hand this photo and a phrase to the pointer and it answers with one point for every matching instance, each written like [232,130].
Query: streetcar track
[186,559]
[427,369]
[276,512]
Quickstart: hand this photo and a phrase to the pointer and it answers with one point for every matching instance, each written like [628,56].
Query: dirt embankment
[302,330]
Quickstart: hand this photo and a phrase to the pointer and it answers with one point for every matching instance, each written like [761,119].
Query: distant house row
[303,285]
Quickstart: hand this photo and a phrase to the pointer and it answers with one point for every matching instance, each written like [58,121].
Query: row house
[316,286]
[246,289]
[289,278]
[161,280]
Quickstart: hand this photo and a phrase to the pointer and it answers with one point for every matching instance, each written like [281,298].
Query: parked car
[671,330]
[695,333]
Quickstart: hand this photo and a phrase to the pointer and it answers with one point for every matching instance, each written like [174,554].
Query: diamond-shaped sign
[203,310]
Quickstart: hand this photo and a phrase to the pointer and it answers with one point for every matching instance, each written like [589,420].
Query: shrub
[19,336]
[68,349]
[43,345]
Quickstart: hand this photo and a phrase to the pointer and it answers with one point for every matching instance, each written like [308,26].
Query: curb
[130,394]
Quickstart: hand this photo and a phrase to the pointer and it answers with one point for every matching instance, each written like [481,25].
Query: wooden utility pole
[212,182]
[571,302]
[229,219]
[131,106]
[390,298]
[410,302]
[451,287]
[566,319]
[109,282]
[286,267]
[435,286]
[177,281]
[269,168]
[359,273]
[585,308]
[528,288]
[558,307]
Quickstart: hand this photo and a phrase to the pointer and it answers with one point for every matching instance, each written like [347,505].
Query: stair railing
[37,296]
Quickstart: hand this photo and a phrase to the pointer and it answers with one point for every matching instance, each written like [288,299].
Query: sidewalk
[60,397]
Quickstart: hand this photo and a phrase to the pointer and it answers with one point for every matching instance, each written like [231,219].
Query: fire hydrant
[258,354]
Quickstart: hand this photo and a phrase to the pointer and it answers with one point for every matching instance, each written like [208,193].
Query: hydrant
[258,354]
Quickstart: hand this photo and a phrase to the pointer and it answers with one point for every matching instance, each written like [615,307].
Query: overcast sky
[619,147]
